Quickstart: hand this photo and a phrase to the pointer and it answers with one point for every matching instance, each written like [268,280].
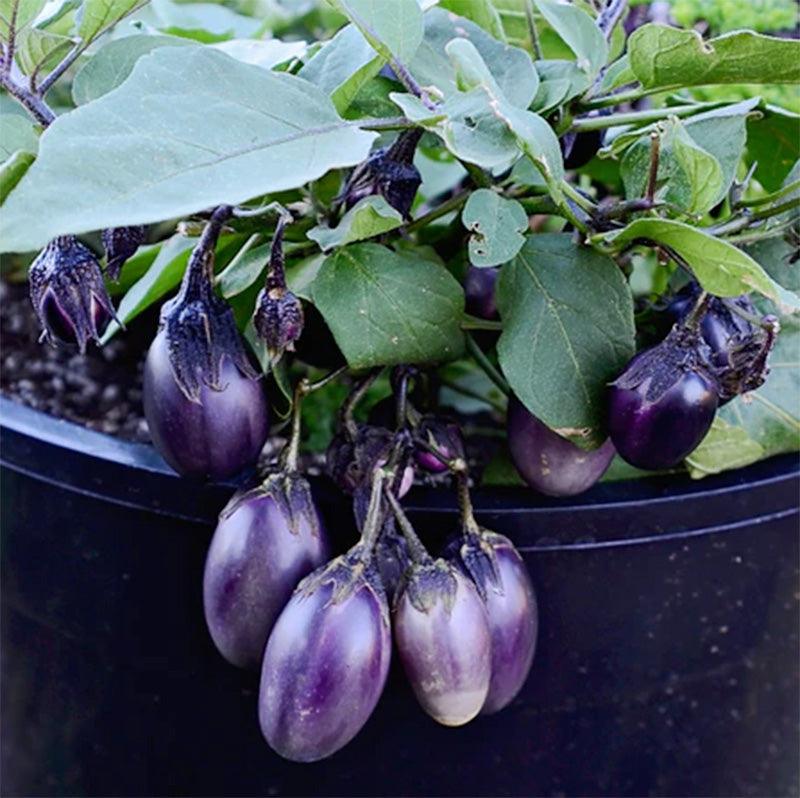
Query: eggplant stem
[416,547]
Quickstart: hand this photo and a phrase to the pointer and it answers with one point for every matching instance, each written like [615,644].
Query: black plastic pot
[667,662]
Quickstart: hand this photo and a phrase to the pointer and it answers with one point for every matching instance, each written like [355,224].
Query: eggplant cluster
[664,402]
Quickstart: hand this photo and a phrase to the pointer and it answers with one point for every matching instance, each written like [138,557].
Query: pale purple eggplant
[266,541]
[549,463]
[443,640]
[326,661]
[501,577]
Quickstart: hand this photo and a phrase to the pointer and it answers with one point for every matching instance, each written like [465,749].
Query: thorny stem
[416,547]
[35,105]
[491,372]
[532,29]
[652,176]
[352,401]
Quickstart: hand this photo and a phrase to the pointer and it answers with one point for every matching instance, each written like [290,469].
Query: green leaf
[511,68]
[40,51]
[497,225]
[18,14]
[265,54]
[721,268]
[775,256]
[560,81]
[579,32]
[204,22]
[97,16]
[771,415]
[16,133]
[163,275]
[481,12]
[113,63]
[343,66]
[242,272]
[665,56]
[12,170]
[190,129]
[688,176]
[567,331]
[724,448]
[772,141]
[369,217]
[385,309]
[392,34]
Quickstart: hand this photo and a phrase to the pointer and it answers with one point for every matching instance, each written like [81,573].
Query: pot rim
[76,458]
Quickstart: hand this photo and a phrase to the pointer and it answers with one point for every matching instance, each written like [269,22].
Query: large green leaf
[97,16]
[343,65]
[772,141]
[771,415]
[497,226]
[688,175]
[18,14]
[567,331]
[16,133]
[579,32]
[386,308]
[719,267]
[511,67]
[113,63]
[724,448]
[481,12]
[665,56]
[394,33]
[190,129]
[369,217]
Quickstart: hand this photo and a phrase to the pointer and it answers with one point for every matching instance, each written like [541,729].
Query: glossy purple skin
[325,666]
[660,434]
[253,565]
[514,623]
[479,290]
[216,438]
[546,461]
[446,654]
[432,463]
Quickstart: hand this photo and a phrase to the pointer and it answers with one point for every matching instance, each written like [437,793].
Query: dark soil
[101,390]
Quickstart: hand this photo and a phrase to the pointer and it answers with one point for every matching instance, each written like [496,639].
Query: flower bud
[120,243]
[68,293]
[278,317]
[388,172]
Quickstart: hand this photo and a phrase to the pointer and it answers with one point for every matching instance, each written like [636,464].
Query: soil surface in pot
[101,390]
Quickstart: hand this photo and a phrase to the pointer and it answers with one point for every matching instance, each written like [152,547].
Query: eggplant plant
[559,212]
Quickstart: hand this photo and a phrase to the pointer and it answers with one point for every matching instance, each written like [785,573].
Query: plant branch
[69,59]
[453,204]
[621,97]
[652,175]
[532,29]
[610,15]
[776,195]
[481,324]
[35,105]
[583,124]
[491,372]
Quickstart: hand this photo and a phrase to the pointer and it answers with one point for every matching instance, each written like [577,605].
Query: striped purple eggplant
[266,541]
[443,640]
[326,661]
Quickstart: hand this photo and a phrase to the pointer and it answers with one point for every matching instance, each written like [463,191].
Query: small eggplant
[266,541]
[326,661]
[546,461]
[443,640]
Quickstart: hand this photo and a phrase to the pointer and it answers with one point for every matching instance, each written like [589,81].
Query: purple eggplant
[215,436]
[68,293]
[266,541]
[663,404]
[444,642]
[445,437]
[546,461]
[479,290]
[326,661]
[499,573]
